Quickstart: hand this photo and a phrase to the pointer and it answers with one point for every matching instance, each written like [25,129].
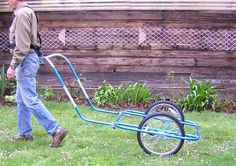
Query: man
[25,65]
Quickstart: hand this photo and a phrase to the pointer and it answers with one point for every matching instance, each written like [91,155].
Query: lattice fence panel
[181,38]
[50,39]
[4,41]
[79,37]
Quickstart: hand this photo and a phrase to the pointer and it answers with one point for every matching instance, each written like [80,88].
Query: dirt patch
[2,101]
[123,106]
[227,109]
[230,111]
[228,106]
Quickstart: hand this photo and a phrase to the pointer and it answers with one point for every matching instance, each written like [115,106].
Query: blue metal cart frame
[141,128]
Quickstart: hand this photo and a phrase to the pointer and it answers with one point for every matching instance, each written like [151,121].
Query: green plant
[3,81]
[202,96]
[128,94]
[74,88]
[135,94]
[76,93]
[170,80]
[105,94]
[11,88]
[45,92]
[10,100]
[159,96]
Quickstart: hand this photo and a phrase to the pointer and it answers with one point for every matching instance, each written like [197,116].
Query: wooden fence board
[193,19]
[145,53]
[216,71]
[217,62]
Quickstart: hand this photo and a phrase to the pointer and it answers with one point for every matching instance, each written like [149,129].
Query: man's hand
[10,73]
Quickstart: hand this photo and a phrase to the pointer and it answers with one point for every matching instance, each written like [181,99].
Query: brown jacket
[23,32]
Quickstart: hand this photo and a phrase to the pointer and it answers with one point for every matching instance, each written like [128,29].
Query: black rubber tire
[171,117]
[176,108]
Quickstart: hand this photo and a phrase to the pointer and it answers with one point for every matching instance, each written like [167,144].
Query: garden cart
[161,129]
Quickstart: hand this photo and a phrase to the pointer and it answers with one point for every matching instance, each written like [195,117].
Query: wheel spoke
[162,144]
[166,106]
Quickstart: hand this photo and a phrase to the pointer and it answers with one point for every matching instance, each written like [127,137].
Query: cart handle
[48,57]
[77,79]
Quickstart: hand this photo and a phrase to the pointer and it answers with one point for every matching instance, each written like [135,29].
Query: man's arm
[22,38]
[22,41]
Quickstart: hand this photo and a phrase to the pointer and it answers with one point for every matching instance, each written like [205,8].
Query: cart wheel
[160,143]
[166,106]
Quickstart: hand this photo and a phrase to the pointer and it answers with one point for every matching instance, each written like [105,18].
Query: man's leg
[23,119]
[44,117]
[34,104]
[27,87]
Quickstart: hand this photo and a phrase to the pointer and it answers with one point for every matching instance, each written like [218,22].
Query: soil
[79,101]
[228,106]
[230,111]
[2,101]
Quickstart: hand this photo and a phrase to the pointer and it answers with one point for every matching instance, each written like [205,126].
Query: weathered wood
[150,64]
[137,23]
[204,62]
[147,62]
[156,81]
[104,15]
[217,62]
[217,71]
[192,16]
[145,53]
[192,19]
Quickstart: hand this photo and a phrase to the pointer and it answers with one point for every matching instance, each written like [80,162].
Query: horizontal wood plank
[216,62]
[217,71]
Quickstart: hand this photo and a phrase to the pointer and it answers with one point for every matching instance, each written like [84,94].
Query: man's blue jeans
[27,98]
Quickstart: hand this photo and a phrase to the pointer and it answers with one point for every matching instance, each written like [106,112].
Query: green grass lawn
[90,144]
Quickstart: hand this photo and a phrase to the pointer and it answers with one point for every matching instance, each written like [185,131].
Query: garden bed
[228,108]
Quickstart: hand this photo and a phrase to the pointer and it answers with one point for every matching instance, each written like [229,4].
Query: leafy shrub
[45,92]
[76,93]
[135,93]
[11,88]
[10,100]
[105,94]
[73,87]
[202,96]
[131,94]
[159,96]
[3,81]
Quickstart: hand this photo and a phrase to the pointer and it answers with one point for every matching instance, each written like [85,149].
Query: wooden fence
[217,65]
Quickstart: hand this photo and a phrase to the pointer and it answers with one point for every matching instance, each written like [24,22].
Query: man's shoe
[58,136]
[23,138]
